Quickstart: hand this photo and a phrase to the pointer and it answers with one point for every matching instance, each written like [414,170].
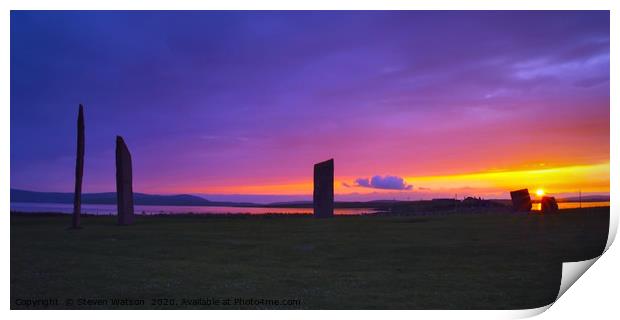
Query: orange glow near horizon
[587,178]
[403,117]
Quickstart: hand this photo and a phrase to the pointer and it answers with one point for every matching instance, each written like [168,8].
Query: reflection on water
[574,205]
[107,209]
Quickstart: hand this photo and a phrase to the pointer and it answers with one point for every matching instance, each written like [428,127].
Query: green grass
[474,261]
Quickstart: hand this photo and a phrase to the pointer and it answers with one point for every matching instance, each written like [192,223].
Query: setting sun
[540,192]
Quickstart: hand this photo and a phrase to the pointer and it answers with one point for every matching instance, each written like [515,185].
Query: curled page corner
[613,227]
[571,271]
[528,313]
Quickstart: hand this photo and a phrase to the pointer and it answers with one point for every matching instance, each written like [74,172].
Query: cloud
[385,182]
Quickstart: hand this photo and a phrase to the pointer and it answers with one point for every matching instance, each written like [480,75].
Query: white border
[594,294]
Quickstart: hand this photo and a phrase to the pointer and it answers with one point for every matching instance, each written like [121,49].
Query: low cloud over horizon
[382,182]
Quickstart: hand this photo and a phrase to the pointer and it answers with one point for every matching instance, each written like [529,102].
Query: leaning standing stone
[521,200]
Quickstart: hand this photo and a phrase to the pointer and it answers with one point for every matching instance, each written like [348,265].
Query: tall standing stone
[124,191]
[521,200]
[79,170]
[323,196]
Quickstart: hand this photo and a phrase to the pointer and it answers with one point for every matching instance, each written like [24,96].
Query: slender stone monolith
[124,191]
[323,196]
[521,200]
[79,170]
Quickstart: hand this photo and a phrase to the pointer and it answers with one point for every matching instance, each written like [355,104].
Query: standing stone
[521,200]
[79,170]
[323,196]
[548,205]
[124,191]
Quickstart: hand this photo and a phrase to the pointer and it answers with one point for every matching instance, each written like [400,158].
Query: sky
[240,105]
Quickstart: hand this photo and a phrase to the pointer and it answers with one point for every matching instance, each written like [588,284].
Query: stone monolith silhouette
[323,196]
[124,191]
[79,170]
[548,205]
[521,200]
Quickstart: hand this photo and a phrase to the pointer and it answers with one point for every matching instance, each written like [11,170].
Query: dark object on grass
[548,205]
[521,200]
[323,195]
[79,171]
[124,191]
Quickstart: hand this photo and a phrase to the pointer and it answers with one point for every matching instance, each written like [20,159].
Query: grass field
[473,261]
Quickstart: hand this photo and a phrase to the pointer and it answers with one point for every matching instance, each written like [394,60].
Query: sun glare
[540,192]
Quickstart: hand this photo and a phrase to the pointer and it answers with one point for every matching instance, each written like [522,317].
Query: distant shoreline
[109,198]
[180,211]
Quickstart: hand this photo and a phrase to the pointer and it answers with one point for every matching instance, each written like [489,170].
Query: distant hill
[18,195]
[110,198]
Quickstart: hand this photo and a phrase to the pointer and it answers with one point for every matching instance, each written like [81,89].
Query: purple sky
[247,102]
